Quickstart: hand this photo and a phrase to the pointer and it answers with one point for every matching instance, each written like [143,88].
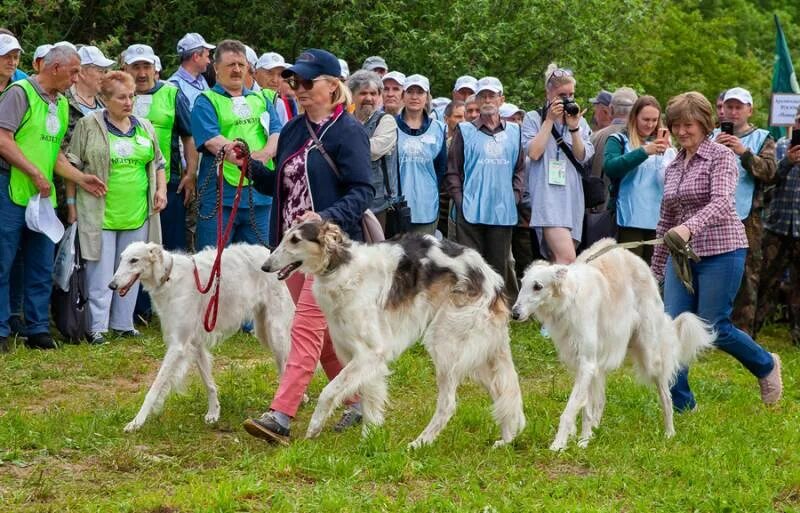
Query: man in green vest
[226,112]
[33,121]
[166,107]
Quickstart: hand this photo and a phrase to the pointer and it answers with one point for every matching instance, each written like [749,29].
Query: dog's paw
[558,446]
[211,417]
[132,426]
[669,433]
[314,429]
[583,443]
[499,443]
[418,443]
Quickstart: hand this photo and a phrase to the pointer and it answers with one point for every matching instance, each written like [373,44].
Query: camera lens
[571,108]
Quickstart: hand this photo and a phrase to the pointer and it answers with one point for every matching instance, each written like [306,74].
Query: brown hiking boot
[771,385]
[267,428]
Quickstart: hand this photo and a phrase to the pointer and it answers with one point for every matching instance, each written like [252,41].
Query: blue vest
[641,190]
[420,185]
[189,91]
[747,182]
[489,174]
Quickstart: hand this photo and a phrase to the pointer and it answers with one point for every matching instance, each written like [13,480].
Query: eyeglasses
[294,82]
[559,73]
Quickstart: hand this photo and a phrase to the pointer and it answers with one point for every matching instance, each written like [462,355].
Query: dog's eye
[133,260]
[537,286]
[295,239]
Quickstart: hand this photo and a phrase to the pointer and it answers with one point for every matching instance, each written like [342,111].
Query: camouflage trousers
[781,253]
[744,307]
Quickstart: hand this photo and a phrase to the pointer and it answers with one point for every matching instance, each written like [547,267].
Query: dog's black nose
[515,314]
[266,268]
[112,286]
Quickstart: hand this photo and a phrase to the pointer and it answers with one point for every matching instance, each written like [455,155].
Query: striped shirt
[700,195]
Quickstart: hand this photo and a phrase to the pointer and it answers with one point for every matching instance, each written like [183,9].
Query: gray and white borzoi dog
[379,299]
[246,293]
[599,311]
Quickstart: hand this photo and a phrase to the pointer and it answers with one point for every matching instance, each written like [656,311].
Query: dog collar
[165,277]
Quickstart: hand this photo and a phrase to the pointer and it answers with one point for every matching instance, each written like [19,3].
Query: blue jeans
[716,281]
[38,253]
[242,230]
[173,237]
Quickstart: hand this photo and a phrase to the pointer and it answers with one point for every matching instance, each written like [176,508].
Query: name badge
[557,172]
[142,141]
[141,105]
[428,139]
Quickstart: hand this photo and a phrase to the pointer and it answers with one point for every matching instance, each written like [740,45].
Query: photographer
[554,183]
[755,152]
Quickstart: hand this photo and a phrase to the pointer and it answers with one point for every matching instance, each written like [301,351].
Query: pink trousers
[311,343]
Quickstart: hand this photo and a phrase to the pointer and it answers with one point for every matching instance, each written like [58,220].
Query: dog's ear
[154,253]
[330,234]
[561,273]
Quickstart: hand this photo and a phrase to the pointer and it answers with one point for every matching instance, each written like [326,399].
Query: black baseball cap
[312,63]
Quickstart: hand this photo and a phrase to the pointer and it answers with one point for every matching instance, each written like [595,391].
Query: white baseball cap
[93,55]
[489,84]
[738,93]
[466,81]
[8,43]
[396,76]
[271,60]
[192,41]
[417,80]
[41,51]
[139,53]
[375,62]
[40,216]
[509,109]
[440,102]
[251,56]
[345,69]
[67,44]
[157,64]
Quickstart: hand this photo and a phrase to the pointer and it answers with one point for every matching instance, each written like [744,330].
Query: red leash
[210,317]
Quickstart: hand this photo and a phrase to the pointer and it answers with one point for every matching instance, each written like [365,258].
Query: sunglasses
[294,82]
[560,73]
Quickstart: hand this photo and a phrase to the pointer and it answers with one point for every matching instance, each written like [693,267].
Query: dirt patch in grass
[558,469]
[55,393]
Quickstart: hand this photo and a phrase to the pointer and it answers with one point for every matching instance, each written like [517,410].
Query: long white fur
[599,312]
[463,337]
[245,294]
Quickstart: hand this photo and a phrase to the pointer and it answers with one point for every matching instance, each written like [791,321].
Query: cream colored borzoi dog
[246,293]
[598,312]
[379,299]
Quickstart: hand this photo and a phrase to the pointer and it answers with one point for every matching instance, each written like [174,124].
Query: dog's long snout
[515,313]
[267,267]
[113,285]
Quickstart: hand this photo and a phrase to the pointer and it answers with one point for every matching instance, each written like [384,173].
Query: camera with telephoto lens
[570,107]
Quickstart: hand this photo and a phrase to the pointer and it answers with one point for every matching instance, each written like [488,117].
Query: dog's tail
[694,337]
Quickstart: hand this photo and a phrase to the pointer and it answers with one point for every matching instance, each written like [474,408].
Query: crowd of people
[131,157]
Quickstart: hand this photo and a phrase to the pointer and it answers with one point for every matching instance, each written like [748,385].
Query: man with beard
[486,179]
[381,127]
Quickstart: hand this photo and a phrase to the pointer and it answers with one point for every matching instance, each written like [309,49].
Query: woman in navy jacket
[304,186]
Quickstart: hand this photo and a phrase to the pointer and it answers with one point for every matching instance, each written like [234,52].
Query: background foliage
[660,48]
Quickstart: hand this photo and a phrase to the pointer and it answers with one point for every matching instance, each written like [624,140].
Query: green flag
[784,79]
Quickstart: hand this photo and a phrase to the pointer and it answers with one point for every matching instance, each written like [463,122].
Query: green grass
[62,447]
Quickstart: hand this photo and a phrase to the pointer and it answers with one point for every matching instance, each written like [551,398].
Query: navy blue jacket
[339,198]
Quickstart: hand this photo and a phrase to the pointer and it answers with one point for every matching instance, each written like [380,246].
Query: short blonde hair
[691,106]
[111,79]
[556,77]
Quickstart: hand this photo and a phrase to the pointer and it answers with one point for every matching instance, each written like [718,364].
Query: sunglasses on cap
[560,73]
[295,81]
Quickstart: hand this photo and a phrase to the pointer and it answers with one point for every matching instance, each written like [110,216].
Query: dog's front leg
[204,366]
[159,389]
[593,409]
[447,380]
[577,400]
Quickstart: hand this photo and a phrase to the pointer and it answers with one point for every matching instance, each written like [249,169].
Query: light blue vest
[488,175]
[747,182]
[187,89]
[420,186]
[641,190]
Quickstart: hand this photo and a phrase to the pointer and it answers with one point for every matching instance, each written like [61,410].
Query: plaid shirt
[700,195]
[783,215]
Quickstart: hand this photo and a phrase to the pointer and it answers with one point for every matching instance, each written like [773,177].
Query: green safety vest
[126,199]
[39,137]
[159,109]
[240,117]
[270,95]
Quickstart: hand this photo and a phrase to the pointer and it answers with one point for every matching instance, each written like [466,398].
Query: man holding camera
[781,244]
[486,179]
[755,150]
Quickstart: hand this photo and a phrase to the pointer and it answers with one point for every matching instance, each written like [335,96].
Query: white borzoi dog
[379,299]
[246,293]
[596,313]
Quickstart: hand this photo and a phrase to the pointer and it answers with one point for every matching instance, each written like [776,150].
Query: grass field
[62,447]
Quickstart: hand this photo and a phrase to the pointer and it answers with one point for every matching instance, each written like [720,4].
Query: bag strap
[321,149]
[568,152]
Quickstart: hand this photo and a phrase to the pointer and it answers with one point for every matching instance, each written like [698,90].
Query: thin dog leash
[680,250]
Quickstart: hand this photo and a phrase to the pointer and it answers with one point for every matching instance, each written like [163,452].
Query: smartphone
[795,138]
[726,127]
[663,133]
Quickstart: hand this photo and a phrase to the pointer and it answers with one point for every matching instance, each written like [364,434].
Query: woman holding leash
[122,150]
[323,172]
[635,159]
[698,207]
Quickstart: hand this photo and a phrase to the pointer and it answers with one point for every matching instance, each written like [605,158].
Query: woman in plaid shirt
[698,205]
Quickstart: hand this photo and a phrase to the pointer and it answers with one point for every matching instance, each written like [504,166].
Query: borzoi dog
[245,293]
[379,299]
[599,311]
